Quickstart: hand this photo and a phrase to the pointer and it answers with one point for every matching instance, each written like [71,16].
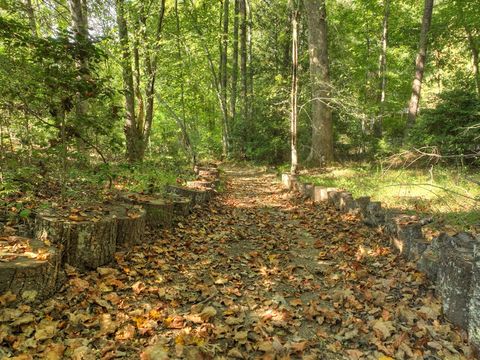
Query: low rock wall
[452,263]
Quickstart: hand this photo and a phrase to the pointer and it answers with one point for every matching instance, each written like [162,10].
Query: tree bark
[134,138]
[233,94]
[223,79]
[474,49]
[293,97]
[382,71]
[243,72]
[250,62]
[420,64]
[31,16]
[322,125]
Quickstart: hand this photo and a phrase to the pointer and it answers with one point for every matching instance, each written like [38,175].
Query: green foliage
[444,191]
[453,126]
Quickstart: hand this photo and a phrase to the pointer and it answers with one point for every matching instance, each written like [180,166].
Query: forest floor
[256,274]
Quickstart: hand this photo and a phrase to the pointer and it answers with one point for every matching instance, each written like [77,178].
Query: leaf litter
[258,274]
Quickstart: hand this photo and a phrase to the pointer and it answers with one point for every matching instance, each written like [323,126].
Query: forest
[142,212]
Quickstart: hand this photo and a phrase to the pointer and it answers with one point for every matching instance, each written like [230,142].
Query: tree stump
[87,239]
[131,220]
[181,205]
[207,172]
[202,184]
[28,268]
[159,209]
[196,196]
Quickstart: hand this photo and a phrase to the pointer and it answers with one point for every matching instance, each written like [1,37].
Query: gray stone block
[403,229]
[362,203]
[308,191]
[289,180]
[347,202]
[375,215]
[474,304]
[320,194]
[430,258]
[455,277]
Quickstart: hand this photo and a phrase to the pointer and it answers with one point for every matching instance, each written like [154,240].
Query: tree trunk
[250,62]
[134,137]
[243,72]
[293,98]
[474,49]
[420,64]
[223,79]
[233,94]
[31,16]
[382,71]
[322,124]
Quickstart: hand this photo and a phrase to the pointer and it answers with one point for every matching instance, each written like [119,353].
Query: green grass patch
[451,195]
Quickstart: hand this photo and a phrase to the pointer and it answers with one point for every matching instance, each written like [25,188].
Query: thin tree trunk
[382,71]
[322,125]
[293,98]
[250,62]
[133,137]
[223,79]
[213,72]
[151,63]
[31,16]
[233,94]
[474,49]
[243,72]
[420,64]
[179,53]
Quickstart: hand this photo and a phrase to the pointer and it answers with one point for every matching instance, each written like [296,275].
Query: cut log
[196,196]
[202,184]
[209,172]
[87,239]
[182,206]
[131,220]
[32,274]
[159,209]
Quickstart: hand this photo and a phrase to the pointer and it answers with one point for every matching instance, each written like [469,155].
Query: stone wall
[452,263]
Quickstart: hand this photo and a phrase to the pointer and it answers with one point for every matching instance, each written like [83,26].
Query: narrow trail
[257,274]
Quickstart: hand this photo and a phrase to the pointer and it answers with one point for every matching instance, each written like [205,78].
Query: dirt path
[258,274]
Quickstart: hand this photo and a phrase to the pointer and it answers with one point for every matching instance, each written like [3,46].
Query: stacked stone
[452,263]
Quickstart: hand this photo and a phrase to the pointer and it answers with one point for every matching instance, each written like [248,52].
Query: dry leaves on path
[258,274]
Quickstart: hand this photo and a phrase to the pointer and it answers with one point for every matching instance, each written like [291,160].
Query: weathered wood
[159,208]
[131,220]
[86,242]
[182,206]
[202,184]
[32,275]
[196,196]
